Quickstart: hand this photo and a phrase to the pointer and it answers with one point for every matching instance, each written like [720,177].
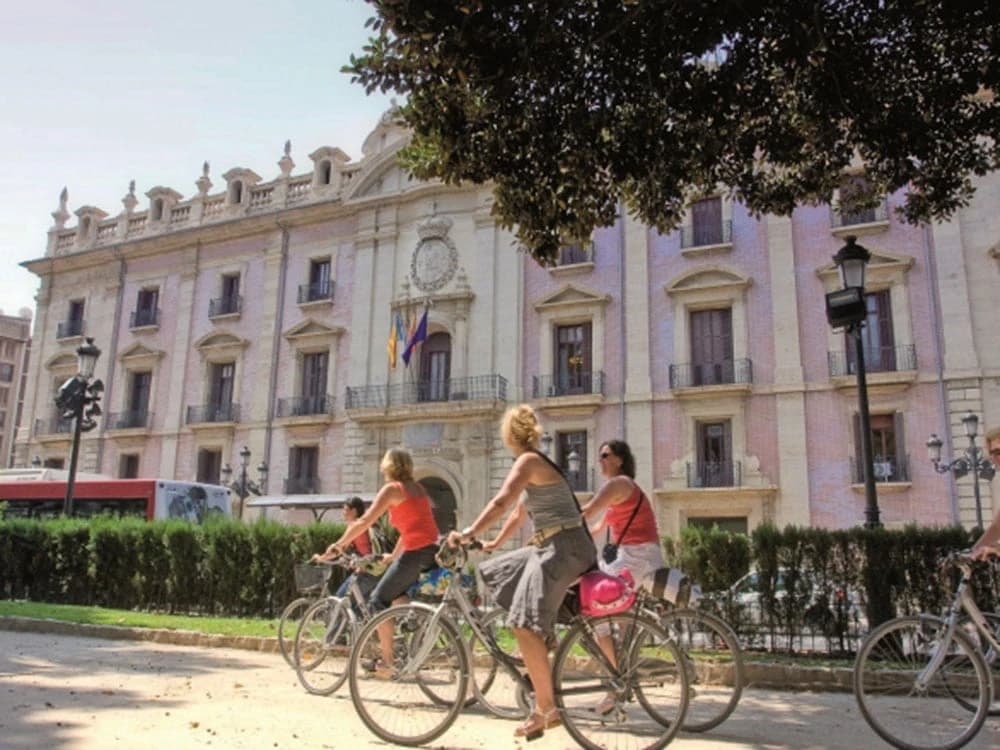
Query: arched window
[435,367]
[325,172]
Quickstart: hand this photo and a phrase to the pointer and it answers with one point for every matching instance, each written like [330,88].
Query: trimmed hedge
[229,568]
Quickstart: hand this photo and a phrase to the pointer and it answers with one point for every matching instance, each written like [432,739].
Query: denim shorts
[402,574]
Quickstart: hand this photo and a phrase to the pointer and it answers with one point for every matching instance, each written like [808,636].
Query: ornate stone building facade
[259,314]
[15,348]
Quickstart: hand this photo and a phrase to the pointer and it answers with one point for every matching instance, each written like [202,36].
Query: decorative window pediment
[311,333]
[139,356]
[706,278]
[62,362]
[571,295]
[221,344]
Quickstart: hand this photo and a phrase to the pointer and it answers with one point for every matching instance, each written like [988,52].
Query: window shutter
[902,471]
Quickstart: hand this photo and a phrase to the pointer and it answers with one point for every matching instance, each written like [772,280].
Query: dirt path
[71,693]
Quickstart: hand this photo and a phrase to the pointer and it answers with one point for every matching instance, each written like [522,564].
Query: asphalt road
[72,693]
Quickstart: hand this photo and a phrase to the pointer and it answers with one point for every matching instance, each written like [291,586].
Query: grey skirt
[530,582]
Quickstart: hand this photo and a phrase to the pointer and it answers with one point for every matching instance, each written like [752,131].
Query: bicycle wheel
[715,666]
[323,645]
[493,686]
[288,626]
[649,686]
[920,713]
[392,700]
[989,654]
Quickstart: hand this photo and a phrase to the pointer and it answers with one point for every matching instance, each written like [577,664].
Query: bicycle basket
[310,578]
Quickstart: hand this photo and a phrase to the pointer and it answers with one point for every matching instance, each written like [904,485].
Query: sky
[95,94]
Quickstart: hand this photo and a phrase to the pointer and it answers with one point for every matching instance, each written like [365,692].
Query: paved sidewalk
[73,693]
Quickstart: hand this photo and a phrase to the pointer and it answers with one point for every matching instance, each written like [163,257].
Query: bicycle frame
[962,601]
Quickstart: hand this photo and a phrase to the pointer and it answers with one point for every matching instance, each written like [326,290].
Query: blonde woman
[409,509]
[530,582]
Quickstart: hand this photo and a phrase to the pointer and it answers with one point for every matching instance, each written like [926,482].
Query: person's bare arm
[515,520]
[525,468]
[386,496]
[988,545]
[615,490]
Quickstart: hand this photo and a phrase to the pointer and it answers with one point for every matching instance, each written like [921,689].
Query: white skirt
[642,560]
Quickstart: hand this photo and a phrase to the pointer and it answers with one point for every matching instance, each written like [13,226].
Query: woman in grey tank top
[531,582]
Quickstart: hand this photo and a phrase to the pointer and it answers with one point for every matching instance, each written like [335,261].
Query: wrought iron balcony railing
[301,406]
[574,253]
[714,474]
[301,485]
[703,235]
[53,426]
[213,413]
[144,317]
[885,470]
[68,328]
[225,305]
[840,218]
[567,384]
[315,292]
[129,420]
[727,372]
[477,388]
[882,359]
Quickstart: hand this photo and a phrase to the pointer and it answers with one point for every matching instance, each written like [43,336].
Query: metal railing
[883,359]
[477,388]
[213,413]
[225,305]
[715,474]
[301,406]
[727,372]
[129,420]
[567,384]
[144,317]
[840,218]
[885,470]
[53,426]
[301,485]
[67,328]
[707,234]
[322,290]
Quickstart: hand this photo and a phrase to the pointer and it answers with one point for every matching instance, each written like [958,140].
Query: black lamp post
[546,441]
[244,486]
[78,400]
[973,459]
[574,464]
[846,308]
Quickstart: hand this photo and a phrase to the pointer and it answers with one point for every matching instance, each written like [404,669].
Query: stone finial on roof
[285,163]
[130,201]
[61,214]
[203,183]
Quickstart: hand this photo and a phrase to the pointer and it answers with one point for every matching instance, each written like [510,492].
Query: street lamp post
[546,441]
[846,308]
[78,400]
[574,463]
[973,459]
[244,486]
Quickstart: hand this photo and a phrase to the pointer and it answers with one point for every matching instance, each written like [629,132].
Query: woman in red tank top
[623,508]
[410,511]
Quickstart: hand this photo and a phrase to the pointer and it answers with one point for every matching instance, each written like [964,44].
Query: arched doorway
[443,500]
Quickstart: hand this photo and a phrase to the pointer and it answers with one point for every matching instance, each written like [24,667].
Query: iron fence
[213,413]
[129,420]
[881,359]
[301,406]
[714,474]
[567,384]
[144,317]
[315,292]
[476,388]
[67,328]
[702,235]
[225,305]
[302,485]
[726,372]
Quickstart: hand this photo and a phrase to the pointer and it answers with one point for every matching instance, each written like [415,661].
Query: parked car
[824,610]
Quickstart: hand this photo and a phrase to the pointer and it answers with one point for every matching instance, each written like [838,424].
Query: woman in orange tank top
[409,509]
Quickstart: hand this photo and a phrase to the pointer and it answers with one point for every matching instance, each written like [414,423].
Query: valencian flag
[395,336]
[415,338]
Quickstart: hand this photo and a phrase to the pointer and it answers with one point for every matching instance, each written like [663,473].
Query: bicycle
[327,630]
[922,682]
[421,694]
[313,582]
[713,657]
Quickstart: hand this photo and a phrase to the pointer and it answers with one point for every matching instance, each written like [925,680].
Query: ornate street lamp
[36,462]
[574,463]
[546,441]
[244,486]
[973,459]
[78,400]
[846,308]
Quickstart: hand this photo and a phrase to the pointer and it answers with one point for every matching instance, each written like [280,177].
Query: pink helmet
[604,594]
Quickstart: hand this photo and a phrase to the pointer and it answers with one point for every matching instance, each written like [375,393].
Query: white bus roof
[318,504]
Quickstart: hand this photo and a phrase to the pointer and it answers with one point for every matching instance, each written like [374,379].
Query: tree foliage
[570,106]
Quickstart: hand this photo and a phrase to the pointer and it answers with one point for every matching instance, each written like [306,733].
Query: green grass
[102,616]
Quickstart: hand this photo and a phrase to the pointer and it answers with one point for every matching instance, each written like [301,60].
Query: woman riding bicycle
[409,509]
[531,582]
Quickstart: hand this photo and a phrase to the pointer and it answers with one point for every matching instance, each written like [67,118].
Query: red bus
[148,498]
